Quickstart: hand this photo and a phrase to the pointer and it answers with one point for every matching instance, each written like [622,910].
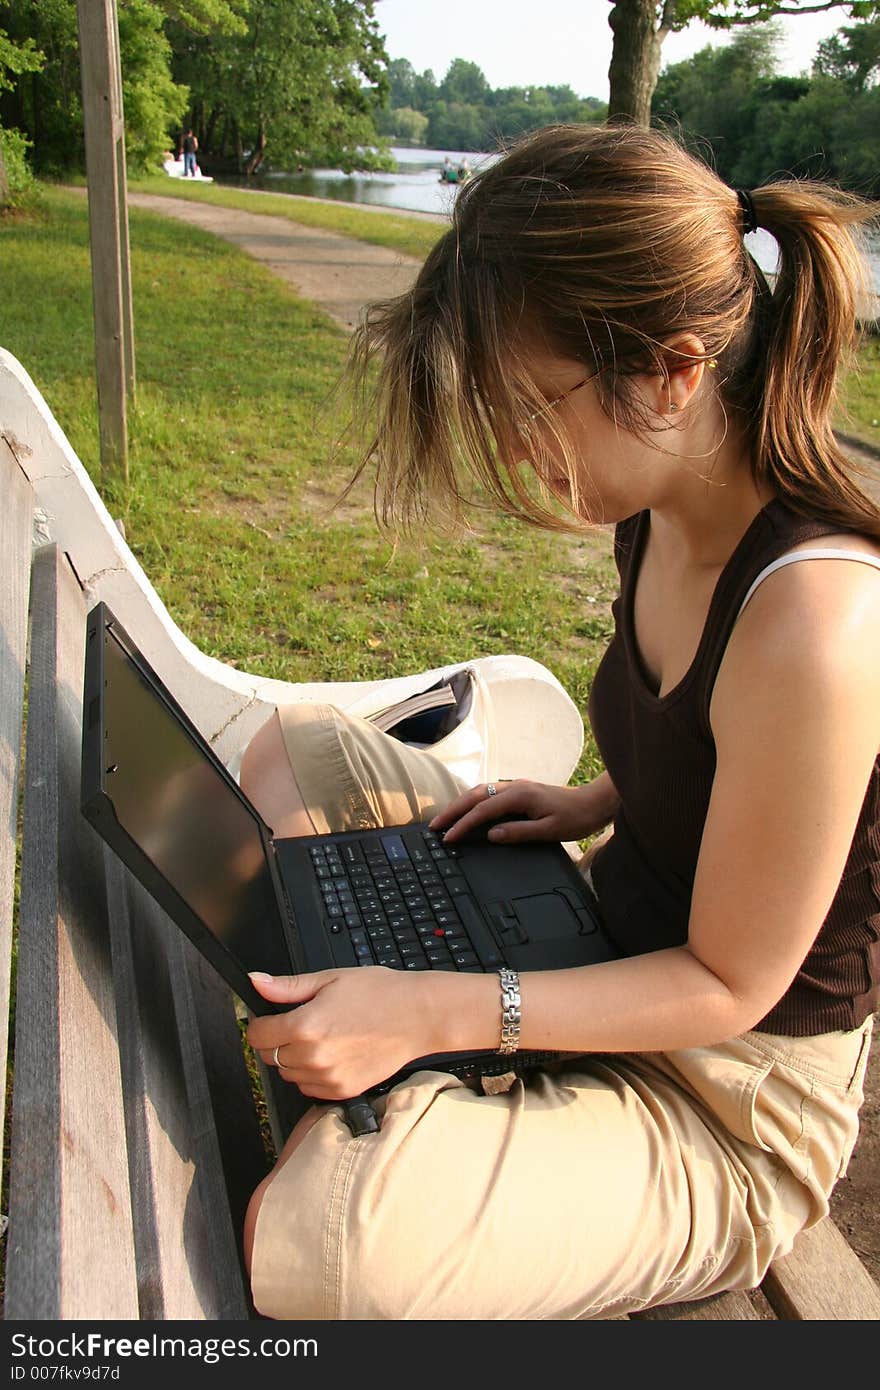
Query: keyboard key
[416,963]
[404,934]
[462,957]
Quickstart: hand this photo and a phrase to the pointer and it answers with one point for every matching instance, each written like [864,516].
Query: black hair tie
[749,216]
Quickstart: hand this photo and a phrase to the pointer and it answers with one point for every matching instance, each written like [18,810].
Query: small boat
[174,169]
[450,173]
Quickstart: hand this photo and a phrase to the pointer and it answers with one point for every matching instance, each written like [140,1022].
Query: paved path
[336,272]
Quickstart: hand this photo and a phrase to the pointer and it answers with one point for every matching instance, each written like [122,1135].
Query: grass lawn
[229,507]
[861,395]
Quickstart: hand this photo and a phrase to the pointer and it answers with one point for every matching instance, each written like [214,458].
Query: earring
[672,406]
[712,363]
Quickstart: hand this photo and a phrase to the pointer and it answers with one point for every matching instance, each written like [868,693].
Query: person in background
[189,149]
[591,343]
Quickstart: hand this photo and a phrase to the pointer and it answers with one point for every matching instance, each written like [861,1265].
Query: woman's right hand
[534,810]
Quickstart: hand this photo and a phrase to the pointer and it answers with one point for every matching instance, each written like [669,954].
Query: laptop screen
[186,817]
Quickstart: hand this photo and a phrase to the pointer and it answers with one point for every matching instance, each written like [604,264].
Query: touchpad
[544,916]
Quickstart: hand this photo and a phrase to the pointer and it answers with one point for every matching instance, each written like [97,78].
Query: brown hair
[601,242]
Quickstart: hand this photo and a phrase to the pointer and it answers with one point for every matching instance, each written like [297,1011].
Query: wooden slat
[187,1239]
[228,1097]
[822,1279]
[16,525]
[70,1248]
[230,1155]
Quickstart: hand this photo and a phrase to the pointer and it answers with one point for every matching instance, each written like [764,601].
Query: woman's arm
[795,718]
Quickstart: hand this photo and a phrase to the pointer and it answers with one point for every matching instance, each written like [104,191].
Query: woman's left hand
[352,1029]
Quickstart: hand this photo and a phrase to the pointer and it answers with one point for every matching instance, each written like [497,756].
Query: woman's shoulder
[816,612]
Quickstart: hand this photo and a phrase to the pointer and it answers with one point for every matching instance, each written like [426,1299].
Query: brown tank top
[660,754]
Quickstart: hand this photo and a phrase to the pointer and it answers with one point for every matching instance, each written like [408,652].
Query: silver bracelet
[511,1010]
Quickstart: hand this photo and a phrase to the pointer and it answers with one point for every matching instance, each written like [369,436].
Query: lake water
[415,186]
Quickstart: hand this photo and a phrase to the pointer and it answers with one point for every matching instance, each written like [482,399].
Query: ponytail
[802,332]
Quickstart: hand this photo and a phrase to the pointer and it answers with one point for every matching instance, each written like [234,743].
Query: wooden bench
[136,1131]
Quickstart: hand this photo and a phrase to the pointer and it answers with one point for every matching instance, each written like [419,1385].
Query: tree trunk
[635,60]
[4,182]
[258,154]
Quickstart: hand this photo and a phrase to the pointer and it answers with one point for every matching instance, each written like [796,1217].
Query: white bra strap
[818,554]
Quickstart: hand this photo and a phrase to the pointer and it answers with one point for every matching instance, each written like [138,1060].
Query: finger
[518,831]
[288,989]
[490,808]
[458,807]
[265,1030]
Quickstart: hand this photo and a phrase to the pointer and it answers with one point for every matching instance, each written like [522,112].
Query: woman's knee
[250,1222]
[268,777]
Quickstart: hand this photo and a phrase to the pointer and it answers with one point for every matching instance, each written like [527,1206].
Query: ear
[685,361]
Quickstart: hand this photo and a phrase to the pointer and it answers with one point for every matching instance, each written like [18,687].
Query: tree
[852,55]
[15,59]
[306,76]
[46,102]
[465,83]
[640,27]
[732,103]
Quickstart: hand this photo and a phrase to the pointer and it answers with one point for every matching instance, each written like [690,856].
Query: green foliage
[47,106]
[852,55]
[757,124]
[14,170]
[307,74]
[464,113]
[303,81]
[727,14]
[16,58]
[404,124]
[150,99]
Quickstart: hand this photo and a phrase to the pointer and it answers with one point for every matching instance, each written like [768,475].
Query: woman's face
[612,466]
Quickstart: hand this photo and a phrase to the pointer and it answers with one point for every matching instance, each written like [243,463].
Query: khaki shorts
[601,1187]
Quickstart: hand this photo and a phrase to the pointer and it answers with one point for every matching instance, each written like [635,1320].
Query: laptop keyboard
[401,900]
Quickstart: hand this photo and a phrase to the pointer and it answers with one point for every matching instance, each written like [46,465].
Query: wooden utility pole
[108,227]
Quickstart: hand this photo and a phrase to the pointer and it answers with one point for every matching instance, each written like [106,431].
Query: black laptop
[156,791]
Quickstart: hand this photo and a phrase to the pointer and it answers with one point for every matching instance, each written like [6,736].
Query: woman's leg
[268,779]
[312,769]
[604,1188]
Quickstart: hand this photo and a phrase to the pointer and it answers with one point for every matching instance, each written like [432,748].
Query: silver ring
[491,789]
[275,1056]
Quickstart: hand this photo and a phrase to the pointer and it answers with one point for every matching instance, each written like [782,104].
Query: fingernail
[498,833]
[261,977]
[432,823]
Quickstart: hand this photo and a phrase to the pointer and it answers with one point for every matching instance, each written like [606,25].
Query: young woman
[593,344]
